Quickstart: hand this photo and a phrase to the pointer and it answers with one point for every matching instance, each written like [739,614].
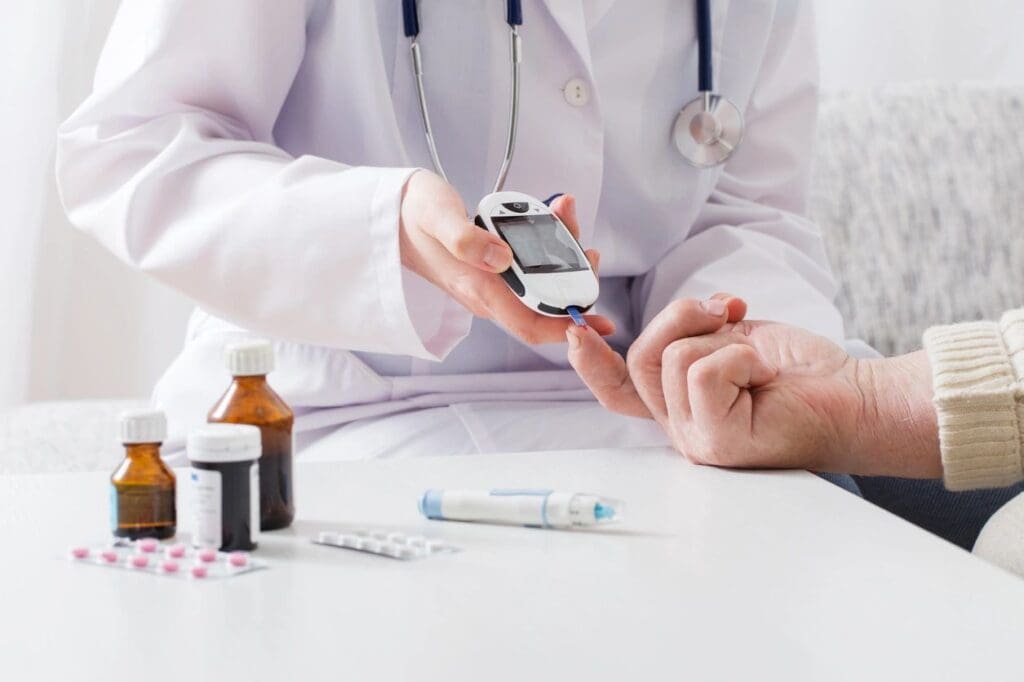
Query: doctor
[267,159]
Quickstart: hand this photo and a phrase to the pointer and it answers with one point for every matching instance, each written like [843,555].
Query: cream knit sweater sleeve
[977,371]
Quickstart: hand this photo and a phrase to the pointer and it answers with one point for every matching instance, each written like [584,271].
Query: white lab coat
[252,155]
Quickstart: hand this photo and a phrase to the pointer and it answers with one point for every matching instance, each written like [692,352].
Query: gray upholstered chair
[920,193]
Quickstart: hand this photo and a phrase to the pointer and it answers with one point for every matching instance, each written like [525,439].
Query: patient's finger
[715,381]
[680,319]
[735,305]
[604,372]
[677,360]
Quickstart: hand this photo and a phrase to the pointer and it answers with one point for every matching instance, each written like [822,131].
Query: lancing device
[535,508]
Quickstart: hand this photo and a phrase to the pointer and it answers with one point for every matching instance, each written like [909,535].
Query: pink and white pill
[176,551]
[238,559]
[198,571]
[139,561]
[169,566]
[148,545]
[79,552]
[207,555]
[109,555]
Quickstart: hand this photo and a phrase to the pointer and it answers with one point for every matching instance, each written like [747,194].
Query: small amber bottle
[142,487]
[250,400]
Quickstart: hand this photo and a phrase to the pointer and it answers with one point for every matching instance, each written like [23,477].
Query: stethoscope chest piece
[708,130]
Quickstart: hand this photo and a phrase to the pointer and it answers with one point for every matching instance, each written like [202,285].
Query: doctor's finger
[604,372]
[470,244]
[533,328]
[565,208]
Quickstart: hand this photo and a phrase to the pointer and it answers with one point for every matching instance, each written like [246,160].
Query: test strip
[576,316]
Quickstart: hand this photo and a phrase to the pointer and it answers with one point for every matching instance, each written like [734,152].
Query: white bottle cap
[217,443]
[253,357]
[143,426]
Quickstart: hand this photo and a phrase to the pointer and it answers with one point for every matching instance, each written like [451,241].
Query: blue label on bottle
[113,507]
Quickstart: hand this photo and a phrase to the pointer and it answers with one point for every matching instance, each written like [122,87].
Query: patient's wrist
[897,428]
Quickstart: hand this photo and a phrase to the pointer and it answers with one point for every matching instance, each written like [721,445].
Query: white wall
[865,43]
[101,330]
[98,329]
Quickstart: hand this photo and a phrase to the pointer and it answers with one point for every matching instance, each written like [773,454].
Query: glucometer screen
[539,243]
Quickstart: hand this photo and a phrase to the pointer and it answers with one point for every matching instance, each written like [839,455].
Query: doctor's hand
[441,244]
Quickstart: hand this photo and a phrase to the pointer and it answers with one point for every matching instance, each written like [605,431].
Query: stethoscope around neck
[706,132]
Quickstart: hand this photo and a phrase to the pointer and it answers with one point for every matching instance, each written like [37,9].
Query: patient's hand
[731,392]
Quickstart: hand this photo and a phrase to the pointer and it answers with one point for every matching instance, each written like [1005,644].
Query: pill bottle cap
[143,426]
[216,443]
[252,357]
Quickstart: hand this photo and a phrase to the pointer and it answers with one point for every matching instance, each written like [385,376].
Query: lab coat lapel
[568,14]
[740,39]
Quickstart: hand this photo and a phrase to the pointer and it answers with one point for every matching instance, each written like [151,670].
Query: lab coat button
[576,92]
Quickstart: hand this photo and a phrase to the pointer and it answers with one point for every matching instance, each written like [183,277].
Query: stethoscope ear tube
[514,13]
[411,27]
[705,82]
[410,19]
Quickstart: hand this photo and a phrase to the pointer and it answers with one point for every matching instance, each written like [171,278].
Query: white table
[716,575]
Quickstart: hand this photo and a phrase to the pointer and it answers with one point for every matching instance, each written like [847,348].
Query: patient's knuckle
[679,355]
[701,376]
[743,327]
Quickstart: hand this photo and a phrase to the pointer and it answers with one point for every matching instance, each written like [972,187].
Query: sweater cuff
[975,388]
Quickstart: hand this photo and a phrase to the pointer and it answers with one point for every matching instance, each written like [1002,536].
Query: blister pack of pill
[171,560]
[385,543]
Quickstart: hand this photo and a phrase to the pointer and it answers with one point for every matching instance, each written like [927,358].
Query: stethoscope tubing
[705,79]
[514,19]
[699,152]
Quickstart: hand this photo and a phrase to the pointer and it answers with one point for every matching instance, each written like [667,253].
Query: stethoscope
[706,131]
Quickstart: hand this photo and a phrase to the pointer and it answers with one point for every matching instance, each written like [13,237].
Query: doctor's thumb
[474,246]
[564,206]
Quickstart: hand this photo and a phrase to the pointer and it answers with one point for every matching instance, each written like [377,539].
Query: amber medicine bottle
[250,400]
[142,487]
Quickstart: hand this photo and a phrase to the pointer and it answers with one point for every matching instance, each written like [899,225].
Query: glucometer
[549,271]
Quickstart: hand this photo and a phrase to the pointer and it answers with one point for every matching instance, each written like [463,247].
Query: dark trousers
[957,517]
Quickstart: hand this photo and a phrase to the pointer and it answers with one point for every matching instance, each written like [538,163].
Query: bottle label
[206,507]
[254,501]
[141,506]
